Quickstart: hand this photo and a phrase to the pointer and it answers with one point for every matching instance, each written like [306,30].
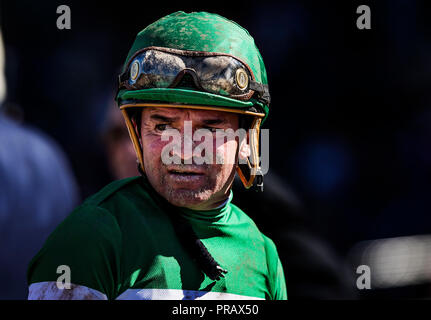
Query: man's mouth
[185,176]
[186,171]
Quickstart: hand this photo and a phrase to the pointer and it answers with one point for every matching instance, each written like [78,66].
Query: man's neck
[216,203]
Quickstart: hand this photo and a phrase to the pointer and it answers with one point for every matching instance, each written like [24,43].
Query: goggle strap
[262,90]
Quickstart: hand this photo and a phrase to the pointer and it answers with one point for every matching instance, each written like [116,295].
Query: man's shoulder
[96,232]
[241,217]
[114,190]
[270,247]
[107,208]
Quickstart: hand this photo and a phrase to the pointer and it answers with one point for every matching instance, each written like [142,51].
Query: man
[173,233]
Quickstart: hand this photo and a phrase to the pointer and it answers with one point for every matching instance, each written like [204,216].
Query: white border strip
[178,294]
[48,290]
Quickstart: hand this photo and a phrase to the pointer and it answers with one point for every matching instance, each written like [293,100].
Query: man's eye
[161,127]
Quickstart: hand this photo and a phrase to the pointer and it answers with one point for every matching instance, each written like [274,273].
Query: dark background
[350,114]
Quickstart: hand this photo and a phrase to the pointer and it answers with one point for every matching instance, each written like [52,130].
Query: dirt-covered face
[191,184]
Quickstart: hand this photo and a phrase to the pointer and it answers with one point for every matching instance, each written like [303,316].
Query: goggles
[217,73]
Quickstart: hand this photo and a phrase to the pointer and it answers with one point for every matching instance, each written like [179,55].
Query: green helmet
[234,81]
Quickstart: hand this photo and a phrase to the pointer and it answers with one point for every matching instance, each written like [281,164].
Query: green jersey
[122,244]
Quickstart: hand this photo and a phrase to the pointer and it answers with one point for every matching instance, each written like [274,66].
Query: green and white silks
[119,244]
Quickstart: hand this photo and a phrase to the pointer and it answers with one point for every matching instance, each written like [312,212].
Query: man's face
[195,186]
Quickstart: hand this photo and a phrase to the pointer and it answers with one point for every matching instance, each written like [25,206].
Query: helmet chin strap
[135,140]
[253,168]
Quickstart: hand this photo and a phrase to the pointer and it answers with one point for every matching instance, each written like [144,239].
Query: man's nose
[187,144]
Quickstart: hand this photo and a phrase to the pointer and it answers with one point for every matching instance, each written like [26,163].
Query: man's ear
[244,149]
